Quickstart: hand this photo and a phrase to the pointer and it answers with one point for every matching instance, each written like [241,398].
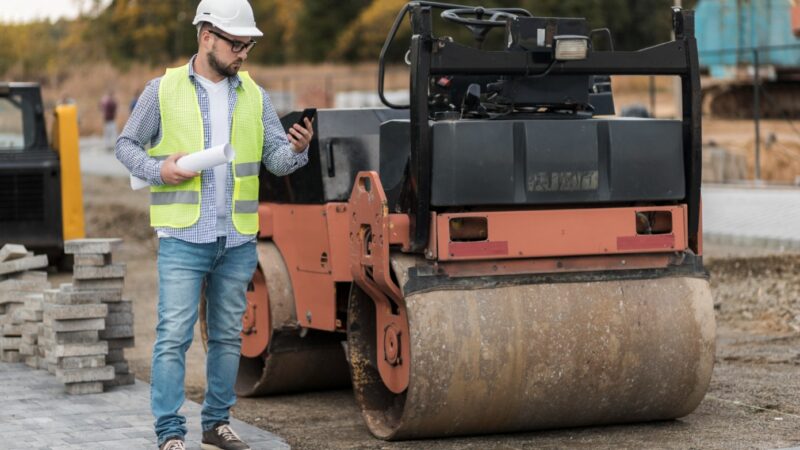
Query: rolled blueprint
[196,162]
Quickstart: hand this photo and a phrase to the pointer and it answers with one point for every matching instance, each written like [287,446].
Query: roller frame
[372,231]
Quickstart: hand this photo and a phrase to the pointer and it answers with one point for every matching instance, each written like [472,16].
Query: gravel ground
[753,402]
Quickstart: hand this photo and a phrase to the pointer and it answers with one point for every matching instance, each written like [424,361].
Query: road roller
[500,253]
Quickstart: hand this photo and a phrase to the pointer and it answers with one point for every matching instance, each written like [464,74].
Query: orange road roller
[501,253]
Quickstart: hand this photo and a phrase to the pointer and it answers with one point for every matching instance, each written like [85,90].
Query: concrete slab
[92,259]
[11,252]
[26,263]
[98,272]
[38,413]
[93,246]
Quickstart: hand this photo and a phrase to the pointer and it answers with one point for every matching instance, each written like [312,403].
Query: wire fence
[760,67]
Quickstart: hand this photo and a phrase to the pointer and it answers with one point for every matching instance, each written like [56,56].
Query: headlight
[571,47]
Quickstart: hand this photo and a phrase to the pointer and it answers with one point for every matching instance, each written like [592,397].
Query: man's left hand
[300,137]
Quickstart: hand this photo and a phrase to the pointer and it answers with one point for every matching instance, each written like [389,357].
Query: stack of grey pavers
[95,273]
[75,315]
[21,303]
[33,327]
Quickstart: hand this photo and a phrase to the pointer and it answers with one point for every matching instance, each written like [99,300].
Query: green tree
[277,19]
[322,21]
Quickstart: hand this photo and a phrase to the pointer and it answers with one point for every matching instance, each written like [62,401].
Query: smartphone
[308,113]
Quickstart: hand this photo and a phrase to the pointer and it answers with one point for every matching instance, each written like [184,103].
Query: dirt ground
[753,402]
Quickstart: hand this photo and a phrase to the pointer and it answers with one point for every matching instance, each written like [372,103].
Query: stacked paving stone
[33,326]
[73,349]
[97,276]
[20,296]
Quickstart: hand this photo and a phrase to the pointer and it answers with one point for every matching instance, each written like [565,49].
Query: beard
[226,71]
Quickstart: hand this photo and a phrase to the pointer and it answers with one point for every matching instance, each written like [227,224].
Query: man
[206,222]
[108,107]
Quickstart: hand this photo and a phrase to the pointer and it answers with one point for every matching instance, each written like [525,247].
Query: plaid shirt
[144,127]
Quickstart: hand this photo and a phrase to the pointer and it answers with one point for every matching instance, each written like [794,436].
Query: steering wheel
[480,20]
[496,17]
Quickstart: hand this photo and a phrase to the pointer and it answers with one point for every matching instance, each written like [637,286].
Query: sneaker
[222,437]
[173,443]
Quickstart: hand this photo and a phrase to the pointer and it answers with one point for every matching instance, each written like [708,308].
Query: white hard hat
[234,17]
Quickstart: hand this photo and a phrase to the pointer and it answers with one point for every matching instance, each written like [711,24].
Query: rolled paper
[197,162]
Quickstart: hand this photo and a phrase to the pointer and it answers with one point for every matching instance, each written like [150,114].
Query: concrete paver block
[11,252]
[29,315]
[26,349]
[119,344]
[120,380]
[7,297]
[71,337]
[10,343]
[91,246]
[12,329]
[115,319]
[32,361]
[30,339]
[117,331]
[115,355]
[26,263]
[34,302]
[78,324]
[11,356]
[60,312]
[83,375]
[84,388]
[98,272]
[114,284]
[82,362]
[124,306]
[120,367]
[65,350]
[23,285]
[29,275]
[92,259]
[69,297]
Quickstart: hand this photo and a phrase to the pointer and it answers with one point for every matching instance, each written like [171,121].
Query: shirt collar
[235,81]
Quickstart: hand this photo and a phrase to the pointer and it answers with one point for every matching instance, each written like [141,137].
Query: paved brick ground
[768,217]
[36,413]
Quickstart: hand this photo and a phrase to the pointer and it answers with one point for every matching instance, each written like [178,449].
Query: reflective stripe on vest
[248,169]
[168,198]
[246,206]
[178,206]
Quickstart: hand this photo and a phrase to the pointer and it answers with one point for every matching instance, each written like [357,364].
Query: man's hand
[172,174]
[299,136]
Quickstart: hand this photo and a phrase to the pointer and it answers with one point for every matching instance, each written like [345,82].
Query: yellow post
[65,142]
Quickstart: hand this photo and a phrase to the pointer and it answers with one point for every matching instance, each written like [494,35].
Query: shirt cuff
[300,159]
[153,172]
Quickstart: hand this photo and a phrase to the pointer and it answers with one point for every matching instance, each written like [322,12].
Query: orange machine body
[315,241]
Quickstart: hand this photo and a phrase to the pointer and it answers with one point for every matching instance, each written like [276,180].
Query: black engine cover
[556,162]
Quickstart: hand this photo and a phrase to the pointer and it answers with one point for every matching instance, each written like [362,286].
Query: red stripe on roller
[482,248]
[646,242]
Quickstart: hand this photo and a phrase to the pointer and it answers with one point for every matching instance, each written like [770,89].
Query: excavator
[40,180]
[502,253]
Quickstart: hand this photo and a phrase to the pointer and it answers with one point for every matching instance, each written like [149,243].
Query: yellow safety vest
[178,206]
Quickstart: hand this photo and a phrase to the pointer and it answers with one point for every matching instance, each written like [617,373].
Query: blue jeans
[183,268]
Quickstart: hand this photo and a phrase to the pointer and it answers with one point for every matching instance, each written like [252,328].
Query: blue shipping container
[742,25]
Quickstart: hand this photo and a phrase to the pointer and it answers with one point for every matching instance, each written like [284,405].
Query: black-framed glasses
[236,46]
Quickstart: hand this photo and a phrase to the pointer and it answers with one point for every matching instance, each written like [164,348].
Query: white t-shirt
[220,134]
